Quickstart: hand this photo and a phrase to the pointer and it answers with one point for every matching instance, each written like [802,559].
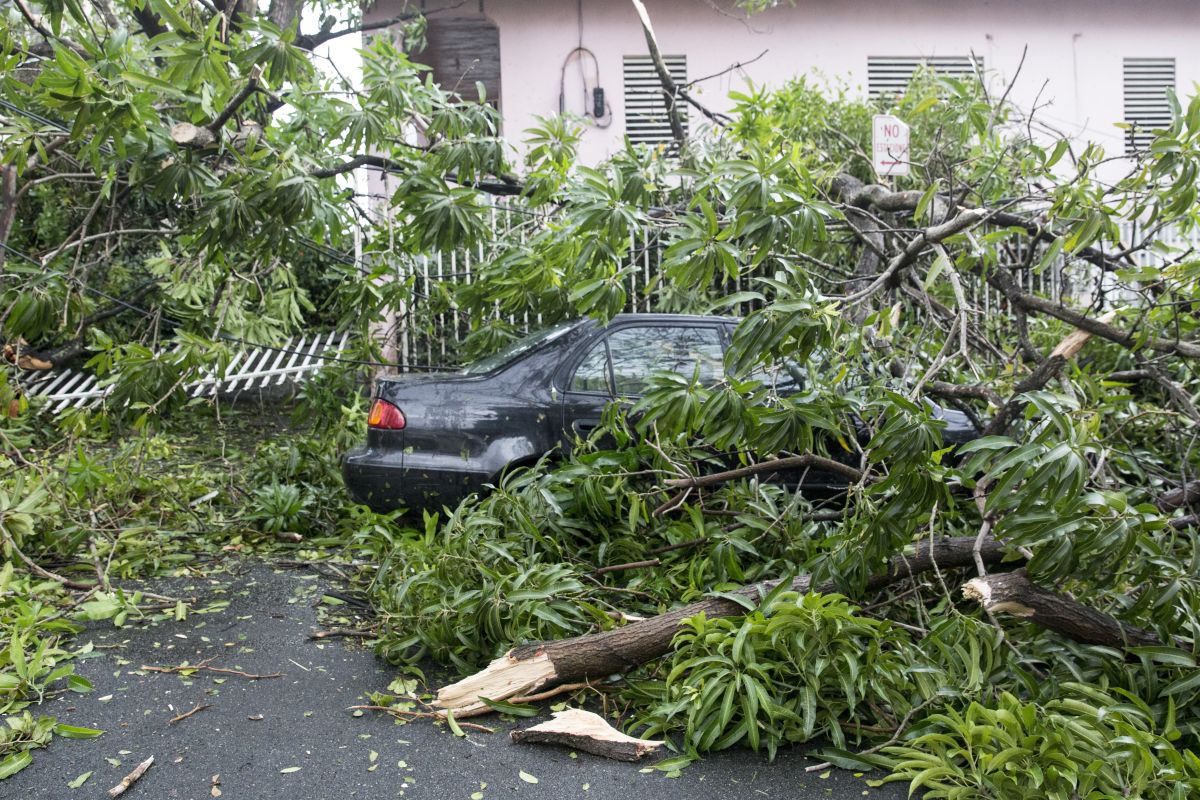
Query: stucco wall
[1074,59]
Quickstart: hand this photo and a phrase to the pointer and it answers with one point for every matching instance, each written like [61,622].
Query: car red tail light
[386,416]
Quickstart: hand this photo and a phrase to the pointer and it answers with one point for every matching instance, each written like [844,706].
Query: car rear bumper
[385,480]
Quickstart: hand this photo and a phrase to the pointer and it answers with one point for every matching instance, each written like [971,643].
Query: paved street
[305,723]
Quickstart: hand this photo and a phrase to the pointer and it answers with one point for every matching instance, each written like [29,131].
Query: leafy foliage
[1086,744]
[153,256]
[798,668]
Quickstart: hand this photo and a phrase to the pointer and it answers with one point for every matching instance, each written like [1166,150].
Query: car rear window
[517,349]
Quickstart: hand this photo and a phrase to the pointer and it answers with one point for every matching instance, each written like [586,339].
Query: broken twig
[131,778]
[203,665]
[186,714]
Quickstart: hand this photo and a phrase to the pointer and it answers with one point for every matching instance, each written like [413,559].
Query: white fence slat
[279,359]
[295,348]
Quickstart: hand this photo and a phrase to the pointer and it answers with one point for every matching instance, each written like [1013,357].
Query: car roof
[655,317]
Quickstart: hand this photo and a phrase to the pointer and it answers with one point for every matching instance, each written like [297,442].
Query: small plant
[281,507]
[799,667]
[24,733]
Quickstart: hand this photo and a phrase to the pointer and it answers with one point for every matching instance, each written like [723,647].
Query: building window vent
[888,76]
[1146,105]
[645,107]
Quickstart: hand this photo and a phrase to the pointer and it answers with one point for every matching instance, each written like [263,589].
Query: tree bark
[529,667]
[283,13]
[1014,594]
[1178,498]
[8,206]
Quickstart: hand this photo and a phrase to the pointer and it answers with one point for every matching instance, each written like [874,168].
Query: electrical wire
[601,121]
[604,120]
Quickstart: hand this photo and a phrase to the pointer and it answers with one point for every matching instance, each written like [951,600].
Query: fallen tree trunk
[591,733]
[525,669]
[1014,594]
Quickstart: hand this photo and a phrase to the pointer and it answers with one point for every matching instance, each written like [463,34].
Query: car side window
[639,352]
[592,373]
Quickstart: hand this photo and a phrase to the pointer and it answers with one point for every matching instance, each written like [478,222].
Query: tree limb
[774,465]
[1047,371]
[503,186]
[670,91]
[1014,594]
[185,134]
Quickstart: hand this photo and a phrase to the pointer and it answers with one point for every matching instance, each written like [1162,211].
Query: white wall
[1074,60]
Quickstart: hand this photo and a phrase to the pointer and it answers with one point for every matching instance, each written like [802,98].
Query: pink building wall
[1074,59]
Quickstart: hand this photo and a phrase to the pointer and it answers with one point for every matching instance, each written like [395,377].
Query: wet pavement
[293,737]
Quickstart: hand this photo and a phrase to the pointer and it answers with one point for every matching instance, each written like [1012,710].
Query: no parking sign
[889,139]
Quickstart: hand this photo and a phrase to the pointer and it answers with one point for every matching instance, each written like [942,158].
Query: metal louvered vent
[889,75]
[645,107]
[1146,106]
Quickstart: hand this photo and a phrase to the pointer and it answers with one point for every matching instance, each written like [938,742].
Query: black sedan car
[434,439]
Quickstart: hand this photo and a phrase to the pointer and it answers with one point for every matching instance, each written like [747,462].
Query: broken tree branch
[805,461]
[1178,498]
[930,236]
[195,709]
[528,668]
[503,186]
[1014,594]
[204,665]
[671,93]
[1046,371]
[185,134]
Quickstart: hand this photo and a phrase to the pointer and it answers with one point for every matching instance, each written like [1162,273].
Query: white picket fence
[250,368]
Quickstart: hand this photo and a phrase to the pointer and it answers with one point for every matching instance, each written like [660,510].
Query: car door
[620,363]
[587,390]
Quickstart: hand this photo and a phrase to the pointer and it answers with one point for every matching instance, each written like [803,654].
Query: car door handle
[583,427]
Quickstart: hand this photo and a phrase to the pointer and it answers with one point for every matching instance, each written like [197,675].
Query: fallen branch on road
[131,778]
[526,669]
[204,665]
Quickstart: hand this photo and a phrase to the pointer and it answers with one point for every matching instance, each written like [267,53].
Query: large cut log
[1014,594]
[525,669]
[583,730]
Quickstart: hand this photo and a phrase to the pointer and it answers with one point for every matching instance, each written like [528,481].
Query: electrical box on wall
[598,102]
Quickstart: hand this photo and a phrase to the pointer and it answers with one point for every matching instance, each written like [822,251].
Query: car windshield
[517,349]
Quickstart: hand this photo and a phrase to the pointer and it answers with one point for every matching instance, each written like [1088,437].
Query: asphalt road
[293,738]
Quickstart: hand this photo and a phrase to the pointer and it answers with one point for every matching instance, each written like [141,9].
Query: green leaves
[18,737]
[12,764]
[799,667]
[1064,749]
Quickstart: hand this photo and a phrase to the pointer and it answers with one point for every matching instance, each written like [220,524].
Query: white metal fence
[425,338]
